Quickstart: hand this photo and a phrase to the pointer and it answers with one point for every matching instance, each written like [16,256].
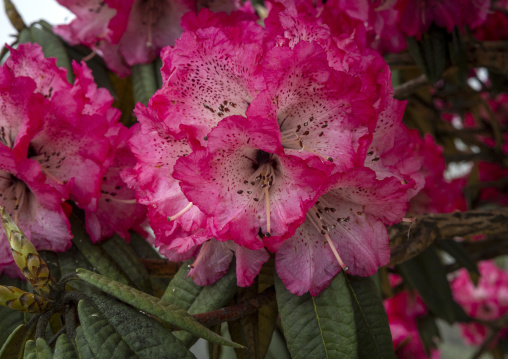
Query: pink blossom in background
[403,311]
[438,195]
[53,145]
[251,127]
[130,32]
[487,301]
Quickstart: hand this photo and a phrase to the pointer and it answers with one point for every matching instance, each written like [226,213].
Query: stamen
[335,253]
[267,205]
[179,214]
[19,194]
[201,254]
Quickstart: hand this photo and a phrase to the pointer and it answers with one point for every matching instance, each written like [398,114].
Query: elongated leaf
[318,327]
[115,330]
[457,251]
[211,297]
[429,332]
[372,329]
[182,291]
[9,321]
[144,81]
[83,348]
[30,350]
[13,347]
[42,349]
[153,305]
[427,275]
[64,349]
[95,254]
[129,262]
[267,314]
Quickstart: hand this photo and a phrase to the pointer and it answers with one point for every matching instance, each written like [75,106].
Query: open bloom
[253,137]
[487,301]
[52,145]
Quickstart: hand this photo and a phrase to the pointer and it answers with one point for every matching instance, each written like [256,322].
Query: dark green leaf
[95,254]
[30,350]
[182,291]
[267,314]
[9,320]
[144,81]
[430,53]
[64,349]
[427,275]
[129,262]
[321,326]
[429,332]
[457,251]
[211,297]
[42,349]
[115,330]
[14,345]
[458,55]
[153,305]
[373,331]
[83,348]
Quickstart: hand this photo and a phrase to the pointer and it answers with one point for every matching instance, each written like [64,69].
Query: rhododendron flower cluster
[283,138]
[486,301]
[386,23]
[130,32]
[57,141]
[403,310]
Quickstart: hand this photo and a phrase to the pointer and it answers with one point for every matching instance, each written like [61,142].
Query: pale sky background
[33,10]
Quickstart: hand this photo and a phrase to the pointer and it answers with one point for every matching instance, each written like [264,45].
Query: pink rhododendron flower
[53,145]
[249,132]
[438,195]
[487,301]
[403,311]
[417,16]
[117,210]
[130,32]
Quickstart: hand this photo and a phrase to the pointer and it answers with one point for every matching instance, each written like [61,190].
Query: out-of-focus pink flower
[403,311]
[53,144]
[417,15]
[438,194]
[130,32]
[487,301]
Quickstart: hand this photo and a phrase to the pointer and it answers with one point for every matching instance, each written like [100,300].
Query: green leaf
[129,262]
[115,330]
[182,291]
[458,55]
[318,327]
[211,297]
[429,332]
[95,254]
[427,275]
[13,347]
[82,346]
[152,305]
[144,81]
[42,349]
[30,350]
[52,47]
[64,348]
[267,314]
[457,251]
[430,53]
[372,329]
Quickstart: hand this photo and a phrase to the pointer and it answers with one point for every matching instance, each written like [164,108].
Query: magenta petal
[212,262]
[248,263]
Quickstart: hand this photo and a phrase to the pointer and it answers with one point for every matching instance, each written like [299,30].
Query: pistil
[181,213]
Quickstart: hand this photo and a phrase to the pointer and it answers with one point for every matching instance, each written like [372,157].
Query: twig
[407,88]
[430,227]
[237,311]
